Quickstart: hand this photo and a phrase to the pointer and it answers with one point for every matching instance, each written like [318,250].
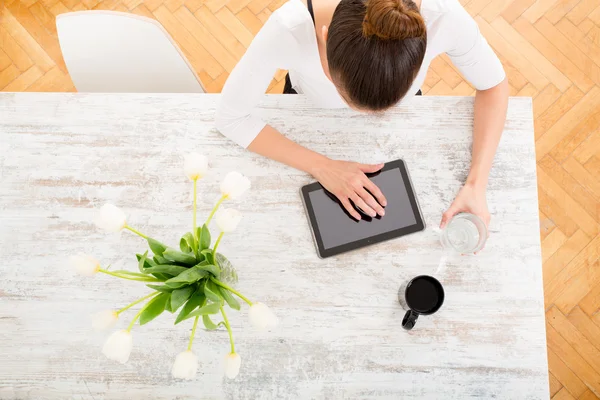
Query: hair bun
[393,20]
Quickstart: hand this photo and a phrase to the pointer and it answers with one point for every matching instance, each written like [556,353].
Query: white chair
[107,51]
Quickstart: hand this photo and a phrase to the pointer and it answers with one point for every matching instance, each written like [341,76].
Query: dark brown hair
[374,50]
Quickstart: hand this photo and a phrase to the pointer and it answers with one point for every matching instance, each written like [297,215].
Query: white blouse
[288,41]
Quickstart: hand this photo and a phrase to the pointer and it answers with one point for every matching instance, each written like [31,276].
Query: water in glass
[465,233]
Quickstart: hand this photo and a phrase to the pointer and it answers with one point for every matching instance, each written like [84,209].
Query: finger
[350,209]
[360,203]
[486,219]
[371,202]
[447,216]
[370,168]
[371,187]
[482,247]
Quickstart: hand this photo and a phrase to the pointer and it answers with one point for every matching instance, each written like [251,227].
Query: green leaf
[187,277]
[213,293]
[161,288]
[151,267]
[203,237]
[147,263]
[142,261]
[211,308]
[168,305]
[154,308]
[209,256]
[159,272]
[213,269]
[157,247]
[162,277]
[184,246]
[187,243]
[178,256]
[150,263]
[160,260]
[228,297]
[197,299]
[208,324]
[176,285]
[172,270]
[180,296]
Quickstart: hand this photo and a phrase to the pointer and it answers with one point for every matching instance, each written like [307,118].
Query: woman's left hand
[471,198]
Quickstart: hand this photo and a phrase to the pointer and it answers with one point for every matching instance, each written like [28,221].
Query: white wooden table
[340,334]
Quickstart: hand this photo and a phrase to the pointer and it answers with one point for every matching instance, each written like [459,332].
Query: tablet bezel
[324,253]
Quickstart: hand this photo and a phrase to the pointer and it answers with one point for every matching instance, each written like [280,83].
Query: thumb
[447,216]
[370,168]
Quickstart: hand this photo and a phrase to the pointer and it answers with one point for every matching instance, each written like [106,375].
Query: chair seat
[107,51]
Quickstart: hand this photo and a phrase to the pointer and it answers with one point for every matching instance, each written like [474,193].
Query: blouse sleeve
[271,49]
[470,52]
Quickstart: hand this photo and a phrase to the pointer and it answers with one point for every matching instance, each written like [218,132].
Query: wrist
[476,181]
[316,164]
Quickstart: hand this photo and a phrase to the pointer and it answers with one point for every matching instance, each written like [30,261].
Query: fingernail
[382,213]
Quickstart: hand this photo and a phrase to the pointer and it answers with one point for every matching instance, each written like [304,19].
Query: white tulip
[261,317]
[228,219]
[85,265]
[234,185]
[185,365]
[232,365]
[110,218]
[195,166]
[104,320]
[118,346]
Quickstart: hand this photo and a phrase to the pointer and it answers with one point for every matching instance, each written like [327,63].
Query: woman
[368,55]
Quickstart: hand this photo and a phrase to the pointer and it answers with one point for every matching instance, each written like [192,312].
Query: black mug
[422,295]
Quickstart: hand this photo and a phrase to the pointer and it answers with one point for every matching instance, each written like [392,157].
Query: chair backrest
[108,51]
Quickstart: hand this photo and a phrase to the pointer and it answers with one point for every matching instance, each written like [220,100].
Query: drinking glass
[465,234]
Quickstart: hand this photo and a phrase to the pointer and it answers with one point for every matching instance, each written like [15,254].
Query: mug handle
[409,320]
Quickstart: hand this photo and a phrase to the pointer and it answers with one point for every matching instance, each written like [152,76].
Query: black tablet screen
[337,228]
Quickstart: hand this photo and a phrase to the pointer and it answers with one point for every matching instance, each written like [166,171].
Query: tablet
[335,231]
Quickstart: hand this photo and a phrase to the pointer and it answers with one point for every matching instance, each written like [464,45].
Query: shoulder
[293,15]
[447,10]
[449,25]
[290,26]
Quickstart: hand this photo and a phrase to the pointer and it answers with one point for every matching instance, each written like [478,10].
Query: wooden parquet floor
[551,51]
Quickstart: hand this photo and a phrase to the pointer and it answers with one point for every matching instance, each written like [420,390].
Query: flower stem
[217,245]
[194,212]
[148,279]
[214,210]
[136,231]
[228,329]
[193,333]
[238,294]
[137,302]
[137,316]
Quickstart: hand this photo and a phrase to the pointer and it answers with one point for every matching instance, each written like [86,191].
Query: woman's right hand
[347,181]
